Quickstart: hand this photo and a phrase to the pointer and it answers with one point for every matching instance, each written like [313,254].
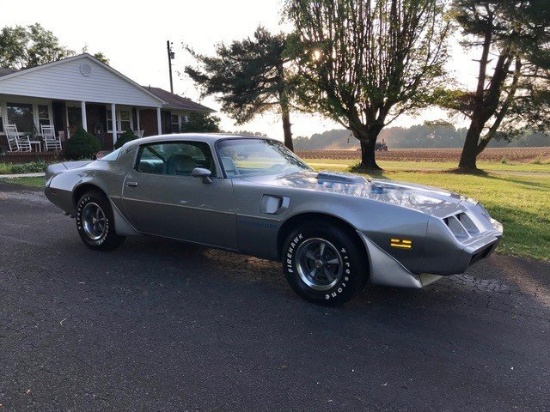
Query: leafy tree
[512,92]
[249,133]
[365,62]
[249,76]
[201,123]
[25,47]
[99,55]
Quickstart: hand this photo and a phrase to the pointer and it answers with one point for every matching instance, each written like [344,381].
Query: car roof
[200,137]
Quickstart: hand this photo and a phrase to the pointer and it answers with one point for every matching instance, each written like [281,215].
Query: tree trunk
[468,157]
[367,136]
[286,129]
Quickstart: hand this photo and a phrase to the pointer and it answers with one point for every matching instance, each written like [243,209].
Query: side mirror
[203,173]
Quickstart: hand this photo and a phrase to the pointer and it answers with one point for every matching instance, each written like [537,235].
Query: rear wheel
[323,264]
[95,222]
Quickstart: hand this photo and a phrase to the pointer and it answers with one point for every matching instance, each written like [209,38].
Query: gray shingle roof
[177,102]
[4,71]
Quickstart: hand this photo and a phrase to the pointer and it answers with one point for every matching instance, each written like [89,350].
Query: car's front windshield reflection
[257,157]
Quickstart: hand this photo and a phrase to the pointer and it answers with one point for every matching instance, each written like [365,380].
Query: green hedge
[82,145]
[126,137]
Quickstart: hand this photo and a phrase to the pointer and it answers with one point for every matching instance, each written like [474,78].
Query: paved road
[158,326]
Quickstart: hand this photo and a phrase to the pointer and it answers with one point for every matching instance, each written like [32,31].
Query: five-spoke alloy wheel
[323,263]
[95,222]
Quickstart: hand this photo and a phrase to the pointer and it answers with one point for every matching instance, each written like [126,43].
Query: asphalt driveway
[160,326]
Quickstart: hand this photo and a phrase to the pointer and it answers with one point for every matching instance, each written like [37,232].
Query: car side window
[174,158]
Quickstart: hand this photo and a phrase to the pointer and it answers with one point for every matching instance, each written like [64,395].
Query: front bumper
[451,259]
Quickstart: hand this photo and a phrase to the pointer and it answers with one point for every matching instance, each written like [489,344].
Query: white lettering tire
[95,222]
[324,264]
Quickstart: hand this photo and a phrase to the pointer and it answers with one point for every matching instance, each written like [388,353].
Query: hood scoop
[334,177]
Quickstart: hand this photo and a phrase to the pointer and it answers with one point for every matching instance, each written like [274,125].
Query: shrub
[126,137]
[82,145]
[32,167]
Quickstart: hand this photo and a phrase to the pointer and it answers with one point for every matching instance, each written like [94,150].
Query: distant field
[516,154]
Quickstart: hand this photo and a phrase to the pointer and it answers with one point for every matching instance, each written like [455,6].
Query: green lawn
[25,181]
[516,195]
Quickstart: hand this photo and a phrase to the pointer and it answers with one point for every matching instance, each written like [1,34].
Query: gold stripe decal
[401,243]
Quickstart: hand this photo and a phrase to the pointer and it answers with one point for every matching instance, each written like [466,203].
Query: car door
[162,198]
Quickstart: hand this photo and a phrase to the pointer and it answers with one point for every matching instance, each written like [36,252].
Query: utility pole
[171,56]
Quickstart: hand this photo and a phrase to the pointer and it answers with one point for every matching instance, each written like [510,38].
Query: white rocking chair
[50,141]
[16,143]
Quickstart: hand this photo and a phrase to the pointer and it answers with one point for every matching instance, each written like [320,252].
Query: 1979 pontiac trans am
[332,232]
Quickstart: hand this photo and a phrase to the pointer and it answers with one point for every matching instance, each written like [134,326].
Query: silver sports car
[333,232]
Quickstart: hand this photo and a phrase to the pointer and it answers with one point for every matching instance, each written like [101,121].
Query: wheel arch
[83,188]
[297,220]
[121,224]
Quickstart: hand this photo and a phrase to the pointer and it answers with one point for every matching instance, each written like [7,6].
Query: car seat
[180,164]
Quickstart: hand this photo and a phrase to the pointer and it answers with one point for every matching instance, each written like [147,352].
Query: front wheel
[95,222]
[323,264]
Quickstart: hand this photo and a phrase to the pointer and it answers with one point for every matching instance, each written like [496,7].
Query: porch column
[84,118]
[159,123]
[67,121]
[113,120]
[138,127]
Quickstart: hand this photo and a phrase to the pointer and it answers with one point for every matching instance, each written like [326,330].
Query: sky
[133,36]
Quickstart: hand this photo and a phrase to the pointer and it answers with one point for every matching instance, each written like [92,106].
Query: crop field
[516,154]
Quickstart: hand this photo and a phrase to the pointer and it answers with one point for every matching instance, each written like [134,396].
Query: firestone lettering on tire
[83,202]
[339,291]
[290,268]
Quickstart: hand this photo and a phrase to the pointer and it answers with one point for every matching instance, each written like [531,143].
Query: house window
[125,123]
[43,115]
[21,115]
[175,123]
[123,120]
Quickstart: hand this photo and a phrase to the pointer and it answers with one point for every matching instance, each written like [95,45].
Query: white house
[82,91]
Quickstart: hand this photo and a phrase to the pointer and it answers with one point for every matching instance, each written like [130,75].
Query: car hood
[421,198]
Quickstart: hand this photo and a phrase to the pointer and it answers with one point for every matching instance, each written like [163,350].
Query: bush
[126,137]
[82,145]
[32,167]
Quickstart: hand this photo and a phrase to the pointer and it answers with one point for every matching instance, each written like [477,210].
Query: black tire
[95,222]
[320,247]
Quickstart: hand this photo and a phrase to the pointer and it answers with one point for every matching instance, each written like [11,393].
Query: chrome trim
[319,264]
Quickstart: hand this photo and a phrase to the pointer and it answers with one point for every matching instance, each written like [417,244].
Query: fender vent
[461,226]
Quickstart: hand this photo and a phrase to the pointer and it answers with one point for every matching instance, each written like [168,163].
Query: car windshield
[257,157]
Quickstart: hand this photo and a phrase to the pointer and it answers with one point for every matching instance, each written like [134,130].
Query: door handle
[131,184]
